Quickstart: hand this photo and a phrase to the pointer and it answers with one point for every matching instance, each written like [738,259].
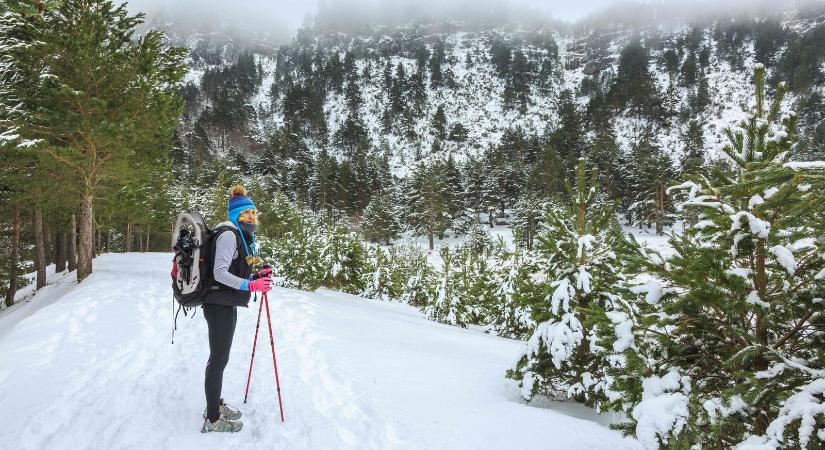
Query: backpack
[192,263]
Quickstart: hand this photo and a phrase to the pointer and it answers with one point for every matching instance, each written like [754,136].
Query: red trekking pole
[265,300]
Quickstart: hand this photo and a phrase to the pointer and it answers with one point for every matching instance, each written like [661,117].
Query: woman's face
[248,216]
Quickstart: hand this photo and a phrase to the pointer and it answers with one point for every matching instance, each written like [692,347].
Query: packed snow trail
[95,368]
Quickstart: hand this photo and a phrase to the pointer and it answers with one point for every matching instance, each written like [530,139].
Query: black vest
[221,294]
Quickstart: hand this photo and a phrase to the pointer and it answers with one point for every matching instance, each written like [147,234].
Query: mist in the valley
[279,20]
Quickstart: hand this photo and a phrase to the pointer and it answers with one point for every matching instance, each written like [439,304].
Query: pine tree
[652,173]
[343,256]
[576,249]
[428,203]
[510,314]
[380,223]
[440,123]
[88,123]
[447,306]
[605,156]
[527,216]
[738,310]
[634,87]
[299,254]
[689,70]
[517,87]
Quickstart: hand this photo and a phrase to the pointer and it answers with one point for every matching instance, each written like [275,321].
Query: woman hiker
[234,255]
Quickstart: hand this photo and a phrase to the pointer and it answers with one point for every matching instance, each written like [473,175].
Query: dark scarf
[248,230]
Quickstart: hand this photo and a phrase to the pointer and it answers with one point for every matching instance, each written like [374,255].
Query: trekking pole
[252,359]
[265,299]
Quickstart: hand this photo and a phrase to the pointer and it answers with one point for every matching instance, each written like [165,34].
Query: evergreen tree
[447,305]
[517,86]
[440,123]
[652,173]
[605,156]
[343,256]
[88,123]
[569,138]
[511,315]
[693,156]
[634,87]
[689,70]
[576,250]
[299,254]
[380,222]
[428,204]
[527,216]
[737,309]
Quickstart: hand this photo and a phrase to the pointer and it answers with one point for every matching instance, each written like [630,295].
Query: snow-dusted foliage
[581,270]
[516,288]
[737,310]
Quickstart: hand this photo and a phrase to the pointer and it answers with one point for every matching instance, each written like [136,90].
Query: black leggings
[221,321]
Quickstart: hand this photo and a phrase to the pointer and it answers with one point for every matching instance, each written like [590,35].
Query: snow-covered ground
[93,367]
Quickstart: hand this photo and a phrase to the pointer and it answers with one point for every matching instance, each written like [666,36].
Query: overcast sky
[283,17]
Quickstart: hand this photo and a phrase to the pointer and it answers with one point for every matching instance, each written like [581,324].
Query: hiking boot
[229,412]
[221,425]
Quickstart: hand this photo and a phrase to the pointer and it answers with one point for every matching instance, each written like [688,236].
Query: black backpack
[192,263]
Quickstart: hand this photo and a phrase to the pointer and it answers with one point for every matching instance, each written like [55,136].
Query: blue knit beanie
[238,203]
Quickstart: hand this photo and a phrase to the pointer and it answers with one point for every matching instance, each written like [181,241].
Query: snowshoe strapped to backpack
[191,269]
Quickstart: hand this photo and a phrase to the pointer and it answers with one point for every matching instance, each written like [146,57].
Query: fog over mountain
[278,20]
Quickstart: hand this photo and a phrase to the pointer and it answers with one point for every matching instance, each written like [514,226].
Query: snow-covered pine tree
[576,255]
[740,327]
[515,290]
[380,223]
[527,217]
[376,277]
[652,173]
[427,203]
[446,306]
[299,253]
[343,256]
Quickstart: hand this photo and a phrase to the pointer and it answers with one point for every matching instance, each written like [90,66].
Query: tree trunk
[109,240]
[39,250]
[491,217]
[99,245]
[430,238]
[128,236]
[47,243]
[147,238]
[86,247]
[15,256]
[140,241]
[72,256]
[60,260]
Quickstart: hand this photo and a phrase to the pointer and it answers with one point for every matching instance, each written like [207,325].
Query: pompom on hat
[238,203]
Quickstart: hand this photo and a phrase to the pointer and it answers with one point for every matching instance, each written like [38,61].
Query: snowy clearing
[94,368]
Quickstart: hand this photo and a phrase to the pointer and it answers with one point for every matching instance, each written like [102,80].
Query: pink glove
[260,285]
[265,272]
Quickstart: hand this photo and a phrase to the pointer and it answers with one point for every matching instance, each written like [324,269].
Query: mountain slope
[95,369]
